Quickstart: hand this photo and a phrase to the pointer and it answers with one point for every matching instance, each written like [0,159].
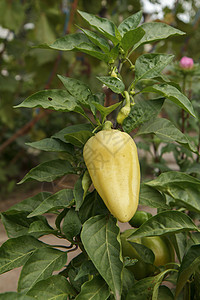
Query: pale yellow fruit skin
[112,161]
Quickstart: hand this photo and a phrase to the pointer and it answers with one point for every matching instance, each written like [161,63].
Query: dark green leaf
[61,199]
[157,31]
[14,296]
[131,38]
[78,193]
[115,84]
[142,112]
[164,223]
[49,171]
[173,94]
[190,262]
[54,287]
[39,266]
[166,131]
[29,204]
[41,228]
[15,252]
[106,27]
[144,253]
[71,225]
[151,197]
[93,205]
[94,51]
[50,144]
[78,139]
[96,289]
[17,224]
[130,23]
[74,129]
[150,65]
[128,281]
[69,41]
[165,293]
[179,241]
[87,268]
[182,187]
[100,237]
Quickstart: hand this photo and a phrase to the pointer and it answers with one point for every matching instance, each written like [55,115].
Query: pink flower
[186,62]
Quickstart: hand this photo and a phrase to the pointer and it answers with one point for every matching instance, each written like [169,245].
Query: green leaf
[87,268]
[97,40]
[106,110]
[179,241]
[106,27]
[71,225]
[173,94]
[115,84]
[59,100]
[74,129]
[166,131]
[78,193]
[150,65]
[14,296]
[96,289]
[17,224]
[39,266]
[164,223]
[61,199]
[151,197]
[41,228]
[182,187]
[155,31]
[189,264]
[131,38]
[79,91]
[29,204]
[69,41]
[93,205]
[49,171]
[165,293]
[78,139]
[142,112]
[53,145]
[144,252]
[130,23]
[15,252]
[146,288]
[86,183]
[100,237]
[128,281]
[94,51]
[55,287]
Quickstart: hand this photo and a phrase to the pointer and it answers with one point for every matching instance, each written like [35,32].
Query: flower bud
[186,62]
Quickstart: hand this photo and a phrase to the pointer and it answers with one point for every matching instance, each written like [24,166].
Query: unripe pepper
[125,111]
[112,161]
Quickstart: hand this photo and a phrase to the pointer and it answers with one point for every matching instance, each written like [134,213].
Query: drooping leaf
[39,266]
[59,100]
[164,223]
[130,23]
[49,171]
[131,38]
[106,27]
[190,262]
[40,228]
[166,131]
[96,289]
[71,225]
[155,31]
[78,139]
[115,84]
[142,112]
[144,252]
[51,144]
[173,94]
[151,197]
[149,65]
[15,252]
[54,287]
[180,186]
[29,204]
[73,129]
[62,199]
[100,237]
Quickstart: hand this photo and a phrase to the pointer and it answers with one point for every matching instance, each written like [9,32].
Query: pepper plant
[100,270]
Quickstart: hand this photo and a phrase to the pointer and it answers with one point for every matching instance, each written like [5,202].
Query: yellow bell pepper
[112,161]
